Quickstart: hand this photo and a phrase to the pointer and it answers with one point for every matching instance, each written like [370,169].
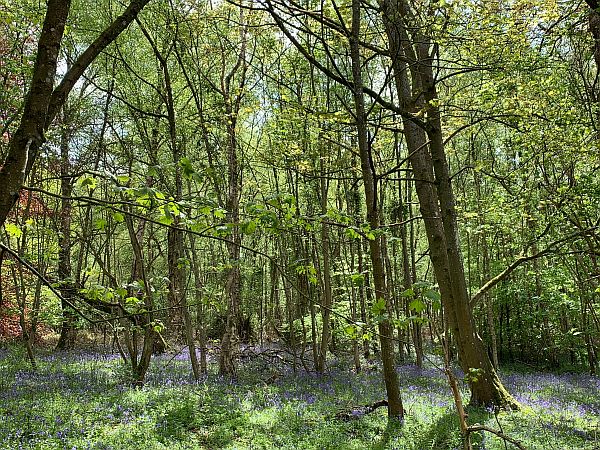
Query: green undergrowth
[83,401]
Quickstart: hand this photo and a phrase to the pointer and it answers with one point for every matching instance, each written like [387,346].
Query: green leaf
[100,224]
[432,295]
[118,217]
[401,322]
[417,305]
[187,170]
[123,179]
[249,227]
[472,376]
[378,307]
[13,230]
[351,233]
[132,301]
[183,262]
[358,279]
[153,171]
[89,182]
[167,218]
[350,330]
[157,326]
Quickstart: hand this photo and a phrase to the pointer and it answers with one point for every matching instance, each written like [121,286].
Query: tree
[43,101]
[395,407]
[413,52]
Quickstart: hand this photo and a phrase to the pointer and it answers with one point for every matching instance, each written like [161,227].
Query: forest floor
[82,400]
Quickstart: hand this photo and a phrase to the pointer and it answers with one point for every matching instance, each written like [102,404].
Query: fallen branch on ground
[478,427]
[360,411]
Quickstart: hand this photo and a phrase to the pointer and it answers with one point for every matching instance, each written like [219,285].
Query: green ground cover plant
[79,400]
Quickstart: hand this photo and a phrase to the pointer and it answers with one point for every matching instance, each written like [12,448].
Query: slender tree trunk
[67,286]
[327,299]
[21,297]
[200,321]
[415,326]
[489,305]
[362,298]
[232,102]
[1,281]
[230,338]
[485,272]
[353,311]
[386,333]
[290,315]
[140,362]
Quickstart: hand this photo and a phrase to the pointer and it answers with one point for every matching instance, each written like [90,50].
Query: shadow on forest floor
[393,428]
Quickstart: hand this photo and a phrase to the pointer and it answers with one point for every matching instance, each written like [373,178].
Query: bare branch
[550,248]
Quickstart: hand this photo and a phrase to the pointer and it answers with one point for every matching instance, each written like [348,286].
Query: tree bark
[232,103]
[140,362]
[65,276]
[201,311]
[327,298]
[386,333]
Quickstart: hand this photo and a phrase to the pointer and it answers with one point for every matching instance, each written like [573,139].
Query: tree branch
[477,427]
[61,92]
[520,260]
[43,279]
[337,78]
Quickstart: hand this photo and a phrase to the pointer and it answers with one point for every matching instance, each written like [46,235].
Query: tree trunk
[232,102]
[199,305]
[67,286]
[232,289]
[407,278]
[353,311]
[386,334]
[29,136]
[145,320]
[326,299]
[485,272]
[436,198]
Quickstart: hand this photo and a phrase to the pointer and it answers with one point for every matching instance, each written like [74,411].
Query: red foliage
[9,327]
[9,319]
[37,207]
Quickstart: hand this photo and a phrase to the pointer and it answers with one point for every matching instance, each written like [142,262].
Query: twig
[478,427]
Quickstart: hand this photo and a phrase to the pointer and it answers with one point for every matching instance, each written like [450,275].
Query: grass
[83,401]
